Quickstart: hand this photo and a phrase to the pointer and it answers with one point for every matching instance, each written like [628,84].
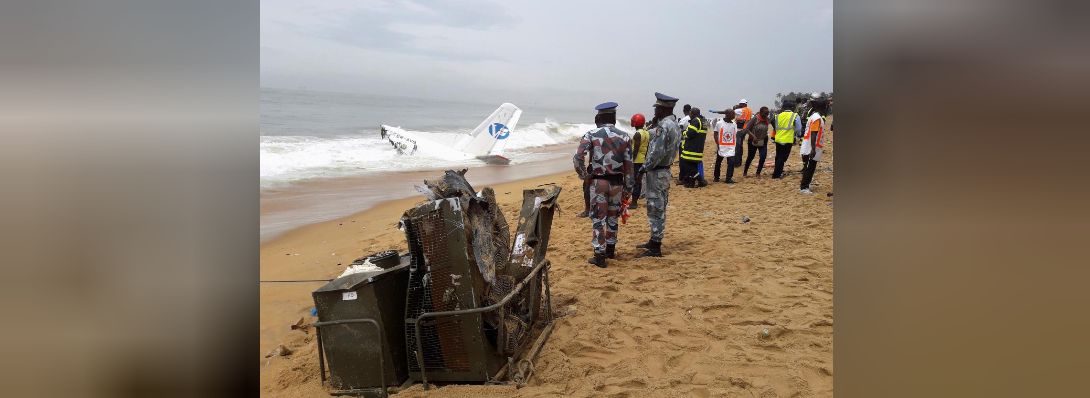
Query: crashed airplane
[486,142]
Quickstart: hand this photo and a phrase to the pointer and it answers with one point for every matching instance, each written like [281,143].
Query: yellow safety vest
[785,125]
[645,138]
[693,155]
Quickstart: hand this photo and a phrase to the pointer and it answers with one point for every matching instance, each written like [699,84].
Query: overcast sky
[573,54]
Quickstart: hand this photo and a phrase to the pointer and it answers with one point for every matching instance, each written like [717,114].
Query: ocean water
[313,135]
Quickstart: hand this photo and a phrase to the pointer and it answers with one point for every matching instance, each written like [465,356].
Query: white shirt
[684,123]
[727,132]
[812,145]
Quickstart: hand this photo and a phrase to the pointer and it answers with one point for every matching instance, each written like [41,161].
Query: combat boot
[654,249]
[599,260]
[701,182]
[644,245]
[611,251]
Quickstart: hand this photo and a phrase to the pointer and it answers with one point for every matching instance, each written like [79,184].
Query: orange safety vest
[815,126]
[746,115]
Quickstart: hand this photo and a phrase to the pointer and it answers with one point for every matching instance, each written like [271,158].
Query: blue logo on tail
[499,131]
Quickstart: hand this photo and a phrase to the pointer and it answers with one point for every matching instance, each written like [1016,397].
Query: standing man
[683,124]
[665,136]
[806,111]
[746,113]
[788,126]
[610,175]
[639,153]
[812,143]
[725,131]
[692,152]
[757,129]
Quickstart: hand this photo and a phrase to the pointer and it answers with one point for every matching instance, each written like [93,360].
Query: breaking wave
[285,159]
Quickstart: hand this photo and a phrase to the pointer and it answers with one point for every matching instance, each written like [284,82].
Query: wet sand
[314,201]
[733,309]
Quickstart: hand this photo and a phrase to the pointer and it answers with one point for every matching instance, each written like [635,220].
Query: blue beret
[607,107]
[664,100]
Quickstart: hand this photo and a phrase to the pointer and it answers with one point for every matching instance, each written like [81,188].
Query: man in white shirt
[726,138]
[812,142]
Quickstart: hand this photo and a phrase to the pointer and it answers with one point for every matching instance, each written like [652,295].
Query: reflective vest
[785,126]
[746,115]
[725,139]
[816,129]
[693,147]
[641,152]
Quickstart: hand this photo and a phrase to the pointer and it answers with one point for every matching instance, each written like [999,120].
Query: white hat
[743,101]
[815,95]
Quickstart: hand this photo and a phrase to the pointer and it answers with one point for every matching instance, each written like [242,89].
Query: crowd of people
[618,168]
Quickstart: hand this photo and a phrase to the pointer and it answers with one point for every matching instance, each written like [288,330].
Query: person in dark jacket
[692,150]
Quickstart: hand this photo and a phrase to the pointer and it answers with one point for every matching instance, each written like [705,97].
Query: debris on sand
[301,325]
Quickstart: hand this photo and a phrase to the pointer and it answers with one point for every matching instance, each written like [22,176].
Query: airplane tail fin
[490,137]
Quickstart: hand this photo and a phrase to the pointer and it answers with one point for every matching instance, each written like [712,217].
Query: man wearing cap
[812,142]
[745,115]
[788,126]
[610,178]
[665,137]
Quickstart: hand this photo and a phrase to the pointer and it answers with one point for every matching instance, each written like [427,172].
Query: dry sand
[689,324]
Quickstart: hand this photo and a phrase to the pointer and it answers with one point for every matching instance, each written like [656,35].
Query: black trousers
[686,170]
[753,149]
[718,162]
[783,151]
[637,186]
[808,174]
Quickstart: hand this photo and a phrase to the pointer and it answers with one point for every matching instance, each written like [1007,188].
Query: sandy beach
[733,308]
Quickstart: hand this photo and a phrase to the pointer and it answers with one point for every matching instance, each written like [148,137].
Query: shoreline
[307,202]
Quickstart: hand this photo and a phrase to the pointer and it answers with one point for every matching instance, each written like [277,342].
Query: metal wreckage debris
[463,305]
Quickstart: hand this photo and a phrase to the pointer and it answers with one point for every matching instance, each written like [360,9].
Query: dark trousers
[718,162]
[808,174]
[686,170]
[730,164]
[753,149]
[805,159]
[783,151]
[637,187]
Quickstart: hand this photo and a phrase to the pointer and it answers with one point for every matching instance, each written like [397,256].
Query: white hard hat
[743,101]
[815,95]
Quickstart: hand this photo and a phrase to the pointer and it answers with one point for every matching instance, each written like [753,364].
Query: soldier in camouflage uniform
[611,178]
[665,137]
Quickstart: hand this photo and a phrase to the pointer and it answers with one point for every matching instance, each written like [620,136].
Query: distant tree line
[798,97]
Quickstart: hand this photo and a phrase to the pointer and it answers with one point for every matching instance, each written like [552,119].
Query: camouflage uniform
[611,174]
[665,136]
